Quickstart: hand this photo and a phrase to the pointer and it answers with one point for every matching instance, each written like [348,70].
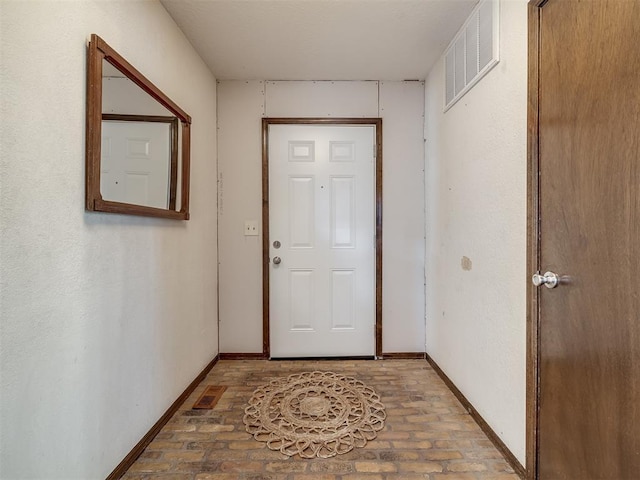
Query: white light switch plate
[250,228]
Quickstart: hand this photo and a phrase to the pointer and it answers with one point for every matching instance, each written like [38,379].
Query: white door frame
[266,122]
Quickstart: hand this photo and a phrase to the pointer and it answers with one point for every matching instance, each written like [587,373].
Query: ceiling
[319,39]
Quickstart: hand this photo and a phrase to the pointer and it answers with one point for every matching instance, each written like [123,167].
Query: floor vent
[472,52]
[209,397]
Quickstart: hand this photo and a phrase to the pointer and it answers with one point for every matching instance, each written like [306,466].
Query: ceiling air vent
[472,52]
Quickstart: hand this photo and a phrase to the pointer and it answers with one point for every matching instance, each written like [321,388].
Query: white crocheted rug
[314,414]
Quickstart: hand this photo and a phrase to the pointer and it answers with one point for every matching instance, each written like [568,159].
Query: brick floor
[427,434]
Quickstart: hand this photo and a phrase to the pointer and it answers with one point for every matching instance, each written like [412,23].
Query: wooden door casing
[266,122]
[584,224]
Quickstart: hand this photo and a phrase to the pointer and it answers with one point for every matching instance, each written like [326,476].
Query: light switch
[250,228]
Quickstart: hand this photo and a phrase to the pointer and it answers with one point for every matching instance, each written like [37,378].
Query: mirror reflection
[139,154]
[138,161]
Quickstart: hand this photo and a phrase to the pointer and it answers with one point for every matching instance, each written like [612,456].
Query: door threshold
[357,357]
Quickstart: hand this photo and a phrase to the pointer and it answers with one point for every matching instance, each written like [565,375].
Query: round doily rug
[314,414]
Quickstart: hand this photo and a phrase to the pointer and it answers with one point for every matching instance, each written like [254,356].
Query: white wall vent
[472,52]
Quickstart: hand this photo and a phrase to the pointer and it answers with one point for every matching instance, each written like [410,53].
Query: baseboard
[403,356]
[243,356]
[499,444]
[136,451]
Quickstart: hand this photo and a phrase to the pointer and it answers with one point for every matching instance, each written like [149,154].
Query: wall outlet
[250,228]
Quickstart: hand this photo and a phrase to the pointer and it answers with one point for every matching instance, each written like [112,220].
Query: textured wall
[241,105]
[105,318]
[476,233]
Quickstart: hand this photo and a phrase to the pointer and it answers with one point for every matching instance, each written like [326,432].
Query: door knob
[276,260]
[549,279]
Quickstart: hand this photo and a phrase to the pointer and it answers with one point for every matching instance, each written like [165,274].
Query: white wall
[105,318]
[241,105]
[476,208]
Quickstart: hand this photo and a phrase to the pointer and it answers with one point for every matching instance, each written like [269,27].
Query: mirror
[138,141]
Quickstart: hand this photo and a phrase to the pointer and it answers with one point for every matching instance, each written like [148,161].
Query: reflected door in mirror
[138,160]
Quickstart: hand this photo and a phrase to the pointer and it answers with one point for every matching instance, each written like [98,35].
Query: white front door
[322,233]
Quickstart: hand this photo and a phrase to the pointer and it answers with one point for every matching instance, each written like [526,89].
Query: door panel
[322,211]
[301,212]
[589,193]
[301,300]
[343,295]
[343,221]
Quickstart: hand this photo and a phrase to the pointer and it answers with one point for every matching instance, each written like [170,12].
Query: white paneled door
[322,240]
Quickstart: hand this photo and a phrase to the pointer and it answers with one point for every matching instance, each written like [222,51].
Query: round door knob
[549,279]
[276,260]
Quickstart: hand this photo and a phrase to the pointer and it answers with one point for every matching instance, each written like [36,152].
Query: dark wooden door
[589,200]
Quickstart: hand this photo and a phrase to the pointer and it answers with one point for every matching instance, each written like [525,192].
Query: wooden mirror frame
[98,51]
